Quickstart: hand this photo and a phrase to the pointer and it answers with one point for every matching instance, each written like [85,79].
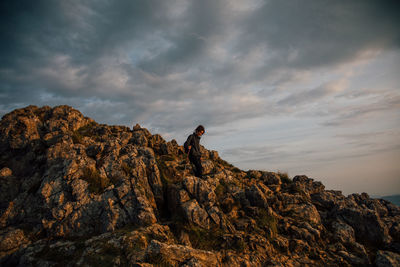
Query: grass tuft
[265,220]
[88,130]
[285,177]
[200,238]
[97,183]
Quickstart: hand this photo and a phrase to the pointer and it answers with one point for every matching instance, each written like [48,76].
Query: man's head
[200,130]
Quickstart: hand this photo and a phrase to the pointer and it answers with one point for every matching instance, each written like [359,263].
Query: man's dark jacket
[194,141]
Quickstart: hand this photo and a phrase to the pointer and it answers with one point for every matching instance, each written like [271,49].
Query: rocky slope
[77,193]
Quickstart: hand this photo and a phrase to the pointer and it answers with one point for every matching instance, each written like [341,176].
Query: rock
[9,187]
[306,212]
[387,258]
[216,215]
[214,155]
[359,252]
[373,230]
[208,166]
[254,174]
[327,199]
[5,172]
[200,190]
[195,214]
[139,138]
[11,239]
[353,260]
[298,246]
[271,178]
[160,253]
[301,233]
[75,192]
[394,229]
[308,185]
[343,232]
[258,195]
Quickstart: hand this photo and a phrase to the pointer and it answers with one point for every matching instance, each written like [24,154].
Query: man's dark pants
[197,163]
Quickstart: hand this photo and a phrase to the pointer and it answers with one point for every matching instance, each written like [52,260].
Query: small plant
[115,180]
[158,260]
[40,114]
[236,170]
[126,168]
[224,163]
[265,220]
[250,175]
[168,175]
[53,254]
[285,177]
[106,257]
[221,189]
[77,138]
[97,183]
[200,238]
[87,130]
[168,157]
[239,245]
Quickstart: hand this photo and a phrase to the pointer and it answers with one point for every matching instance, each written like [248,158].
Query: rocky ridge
[77,193]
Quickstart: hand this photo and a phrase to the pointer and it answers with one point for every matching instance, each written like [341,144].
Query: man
[192,146]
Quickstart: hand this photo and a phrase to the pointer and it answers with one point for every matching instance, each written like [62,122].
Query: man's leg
[199,168]
[197,164]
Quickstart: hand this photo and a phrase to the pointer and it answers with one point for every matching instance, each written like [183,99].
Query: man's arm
[189,141]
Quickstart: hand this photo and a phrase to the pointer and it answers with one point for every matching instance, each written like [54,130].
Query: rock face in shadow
[74,192]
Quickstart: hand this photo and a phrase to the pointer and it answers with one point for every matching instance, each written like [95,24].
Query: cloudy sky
[304,87]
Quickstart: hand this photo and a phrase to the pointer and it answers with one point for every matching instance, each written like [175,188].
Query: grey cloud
[270,154]
[367,151]
[145,61]
[357,114]
[313,94]
[201,21]
[319,33]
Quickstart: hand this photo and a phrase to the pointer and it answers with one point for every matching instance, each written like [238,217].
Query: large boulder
[195,214]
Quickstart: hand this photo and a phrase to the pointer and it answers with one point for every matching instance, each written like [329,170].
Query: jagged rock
[387,258]
[213,155]
[327,199]
[360,254]
[353,260]
[394,229]
[161,253]
[271,178]
[392,209]
[200,189]
[343,232]
[195,214]
[373,230]
[298,246]
[208,166]
[71,188]
[9,187]
[308,185]
[5,172]
[216,215]
[11,239]
[254,174]
[306,212]
[258,195]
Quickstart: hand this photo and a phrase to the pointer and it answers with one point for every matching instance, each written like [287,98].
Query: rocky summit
[74,192]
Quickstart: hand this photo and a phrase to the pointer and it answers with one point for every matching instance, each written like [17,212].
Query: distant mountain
[395,199]
[77,193]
